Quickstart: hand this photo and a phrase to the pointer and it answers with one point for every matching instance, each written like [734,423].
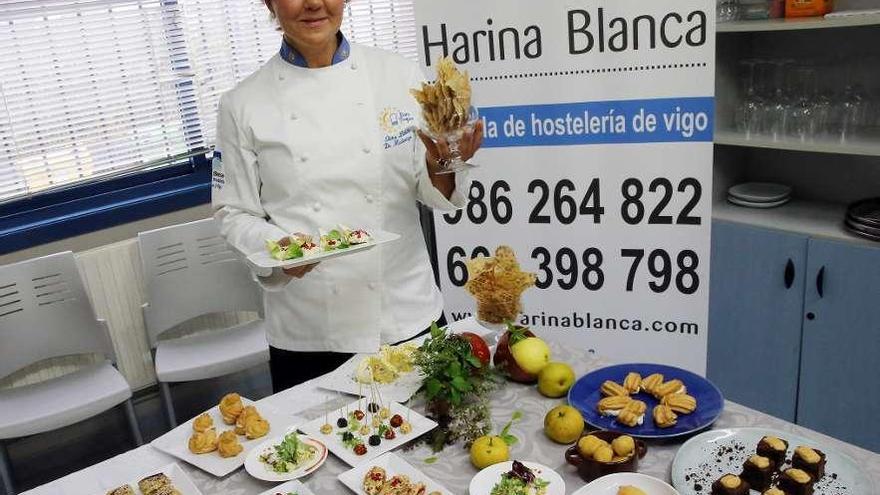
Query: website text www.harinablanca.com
[590,321]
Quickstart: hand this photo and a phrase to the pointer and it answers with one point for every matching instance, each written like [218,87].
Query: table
[453,467]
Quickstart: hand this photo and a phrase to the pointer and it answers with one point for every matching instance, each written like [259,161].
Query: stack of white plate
[759,194]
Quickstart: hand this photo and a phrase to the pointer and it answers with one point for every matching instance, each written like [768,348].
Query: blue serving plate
[585,394]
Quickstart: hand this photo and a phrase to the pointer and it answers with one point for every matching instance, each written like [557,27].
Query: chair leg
[169,406]
[6,470]
[133,423]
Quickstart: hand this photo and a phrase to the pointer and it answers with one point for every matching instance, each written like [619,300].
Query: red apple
[479,348]
[504,359]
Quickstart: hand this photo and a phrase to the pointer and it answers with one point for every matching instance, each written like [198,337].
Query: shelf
[798,23]
[810,218]
[864,147]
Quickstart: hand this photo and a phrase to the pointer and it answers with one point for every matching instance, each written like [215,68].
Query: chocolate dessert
[810,460]
[774,449]
[796,482]
[758,472]
[730,484]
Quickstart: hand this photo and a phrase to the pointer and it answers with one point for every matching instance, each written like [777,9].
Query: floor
[42,458]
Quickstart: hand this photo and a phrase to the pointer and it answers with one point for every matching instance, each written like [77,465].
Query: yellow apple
[563,424]
[488,450]
[555,379]
[531,354]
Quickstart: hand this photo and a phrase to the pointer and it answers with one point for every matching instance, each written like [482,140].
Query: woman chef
[322,135]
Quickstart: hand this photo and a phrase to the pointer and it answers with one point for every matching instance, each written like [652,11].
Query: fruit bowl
[590,469]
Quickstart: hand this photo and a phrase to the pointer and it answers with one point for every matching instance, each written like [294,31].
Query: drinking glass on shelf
[781,99]
[801,118]
[748,113]
[849,113]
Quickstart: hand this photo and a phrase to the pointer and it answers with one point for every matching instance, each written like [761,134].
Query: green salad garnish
[284,253]
[289,455]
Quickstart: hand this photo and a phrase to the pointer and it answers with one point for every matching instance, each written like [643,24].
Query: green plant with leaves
[456,386]
[449,368]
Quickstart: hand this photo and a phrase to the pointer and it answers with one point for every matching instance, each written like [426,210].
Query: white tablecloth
[453,467]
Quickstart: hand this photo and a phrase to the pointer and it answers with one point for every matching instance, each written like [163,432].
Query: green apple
[564,424]
[555,379]
[531,354]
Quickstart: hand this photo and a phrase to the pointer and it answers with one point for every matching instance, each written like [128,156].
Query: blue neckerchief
[291,56]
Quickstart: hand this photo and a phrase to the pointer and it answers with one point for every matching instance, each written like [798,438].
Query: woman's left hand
[438,151]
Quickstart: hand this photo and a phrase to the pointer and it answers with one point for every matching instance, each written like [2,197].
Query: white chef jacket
[304,149]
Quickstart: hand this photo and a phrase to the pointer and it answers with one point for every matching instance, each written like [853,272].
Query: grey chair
[45,313]
[190,271]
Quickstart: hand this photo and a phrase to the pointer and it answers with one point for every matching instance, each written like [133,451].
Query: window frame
[92,206]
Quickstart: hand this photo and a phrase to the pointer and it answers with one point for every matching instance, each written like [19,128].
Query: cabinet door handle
[789,274]
[820,282]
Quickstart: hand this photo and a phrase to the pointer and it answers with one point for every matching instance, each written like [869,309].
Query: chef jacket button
[369,198]
[372,285]
[280,77]
[366,150]
[304,158]
[316,206]
[293,116]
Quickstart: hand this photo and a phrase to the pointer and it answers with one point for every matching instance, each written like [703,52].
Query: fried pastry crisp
[497,283]
[446,102]
[256,427]
[203,423]
[680,403]
[633,414]
[247,413]
[650,382]
[227,444]
[203,442]
[670,387]
[664,417]
[611,406]
[231,407]
[633,382]
[610,388]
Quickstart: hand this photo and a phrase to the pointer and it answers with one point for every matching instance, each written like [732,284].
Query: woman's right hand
[299,271]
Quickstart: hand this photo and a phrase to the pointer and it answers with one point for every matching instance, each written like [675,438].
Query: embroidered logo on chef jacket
[218,179]
[397,127]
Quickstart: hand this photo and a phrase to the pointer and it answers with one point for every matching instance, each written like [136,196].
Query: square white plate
[342,379]
[295,487]
[420,426]
[176,441]
[179,478]
[263,259]
[393,465]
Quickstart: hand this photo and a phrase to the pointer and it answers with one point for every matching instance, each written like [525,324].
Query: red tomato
[479,348]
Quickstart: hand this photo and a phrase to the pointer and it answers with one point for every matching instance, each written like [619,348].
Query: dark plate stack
[863,218]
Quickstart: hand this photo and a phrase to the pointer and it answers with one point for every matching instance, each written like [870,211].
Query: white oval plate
[697,457]
[760,192]
[486,479]
[749,204]
[608,485]
[261,471]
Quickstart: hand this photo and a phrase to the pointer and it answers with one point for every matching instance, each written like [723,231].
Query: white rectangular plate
[176,441]
[295,487]
[342,379]
[420,426]
[263,259]
[393,465]
[178,476]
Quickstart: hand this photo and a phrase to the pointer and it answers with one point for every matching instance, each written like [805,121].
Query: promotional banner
[596,167]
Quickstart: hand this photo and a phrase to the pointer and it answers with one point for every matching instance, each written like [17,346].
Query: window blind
[95,88]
